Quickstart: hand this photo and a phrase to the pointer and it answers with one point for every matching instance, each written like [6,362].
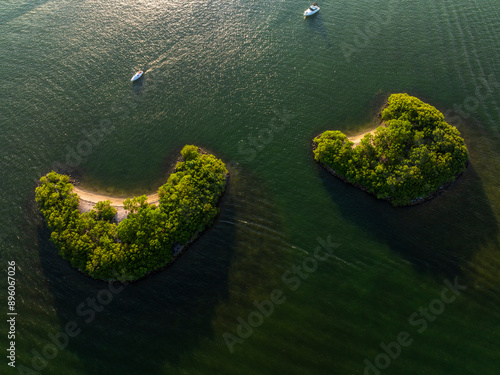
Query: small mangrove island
[151,236]
[412,156]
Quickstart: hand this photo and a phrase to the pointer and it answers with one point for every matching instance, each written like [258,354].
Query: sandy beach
[115,201]
[89,199]
[357,138]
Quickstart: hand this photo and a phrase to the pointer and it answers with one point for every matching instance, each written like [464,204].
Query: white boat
[137,76]
[313,9]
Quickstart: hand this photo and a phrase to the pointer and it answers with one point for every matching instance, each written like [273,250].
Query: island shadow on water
[21,10]
[147,323]
[153,323]
[437,236]
[150,322]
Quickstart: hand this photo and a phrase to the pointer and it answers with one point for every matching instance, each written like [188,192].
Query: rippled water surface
[253,82]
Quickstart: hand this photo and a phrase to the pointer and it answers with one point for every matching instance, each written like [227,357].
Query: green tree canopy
[405,161]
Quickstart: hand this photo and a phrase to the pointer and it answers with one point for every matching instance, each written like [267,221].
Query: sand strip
[115,201]
[89,199]
[357,138]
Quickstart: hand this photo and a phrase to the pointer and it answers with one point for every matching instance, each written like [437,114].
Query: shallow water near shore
[253,84]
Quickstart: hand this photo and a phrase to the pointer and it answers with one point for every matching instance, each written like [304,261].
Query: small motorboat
[313,9]
[137,76]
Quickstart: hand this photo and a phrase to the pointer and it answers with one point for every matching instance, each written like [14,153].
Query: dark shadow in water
[150,322]
[315,24]
[137,85]
[155,322]
[21,11]
[437,236]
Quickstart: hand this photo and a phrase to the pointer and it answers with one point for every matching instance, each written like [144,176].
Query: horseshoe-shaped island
[151,236]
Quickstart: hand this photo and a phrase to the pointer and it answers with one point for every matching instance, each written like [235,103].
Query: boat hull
[137,76]
[310,12]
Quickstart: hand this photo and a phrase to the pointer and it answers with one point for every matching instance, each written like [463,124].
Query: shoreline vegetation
[411,157]
[155,230]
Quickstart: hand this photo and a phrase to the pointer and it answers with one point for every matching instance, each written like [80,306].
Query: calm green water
[253,82]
